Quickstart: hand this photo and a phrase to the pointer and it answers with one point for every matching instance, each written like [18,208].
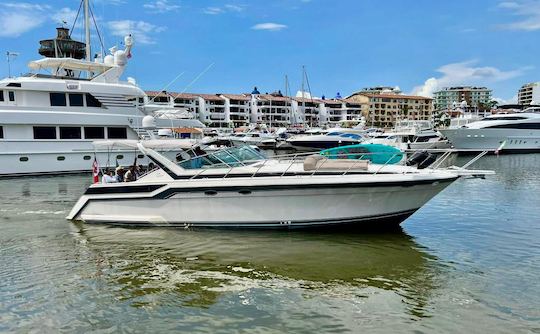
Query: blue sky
[419,45]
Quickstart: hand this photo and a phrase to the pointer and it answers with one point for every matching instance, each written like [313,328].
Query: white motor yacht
[411,135]
[517,132]
[330,139]
[241,192]
[49,121]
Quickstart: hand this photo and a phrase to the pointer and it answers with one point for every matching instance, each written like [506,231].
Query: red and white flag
[95,170]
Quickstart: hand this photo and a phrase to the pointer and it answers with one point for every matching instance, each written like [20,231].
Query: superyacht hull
[46,158]
[242,204]
[514,140]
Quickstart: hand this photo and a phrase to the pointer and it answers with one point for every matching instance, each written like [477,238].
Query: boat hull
[515,140]
[311,146]
[342,205]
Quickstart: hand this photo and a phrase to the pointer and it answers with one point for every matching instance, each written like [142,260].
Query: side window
[1,96]
[76,100]
[1,132]
[70,132]
[11,96]
[44,132]
[91,101]
[116,133]
[94,132]
[58,99]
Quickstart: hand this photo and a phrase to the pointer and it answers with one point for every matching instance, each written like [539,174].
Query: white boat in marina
[263,193]
[329,139]
[412,135]
[517,132]
[258,135]
[48,122]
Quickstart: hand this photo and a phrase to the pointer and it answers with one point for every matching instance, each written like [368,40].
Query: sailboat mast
[87,30]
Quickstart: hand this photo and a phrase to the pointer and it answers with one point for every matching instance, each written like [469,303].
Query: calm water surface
[469,261]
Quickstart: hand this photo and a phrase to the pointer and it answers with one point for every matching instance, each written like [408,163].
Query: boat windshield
[334,134]
[228,157]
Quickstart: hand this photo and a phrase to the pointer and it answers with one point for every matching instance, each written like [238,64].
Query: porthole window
[140,156]
[60,158]
[23,159]
[87,157]
[119,157]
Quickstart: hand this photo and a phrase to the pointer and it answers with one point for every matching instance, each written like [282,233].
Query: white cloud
[224,9]
[141,31]
[269,26]
[25,6]
[161,6]
[464,73]
[213,10]
[16,18]
[528,12]
[234,8]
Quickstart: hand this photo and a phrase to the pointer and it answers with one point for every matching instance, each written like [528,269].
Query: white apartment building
[529,94]
[237,109]
[275,110]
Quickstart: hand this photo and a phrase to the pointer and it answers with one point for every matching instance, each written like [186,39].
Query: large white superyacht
[517,132]
[48,122]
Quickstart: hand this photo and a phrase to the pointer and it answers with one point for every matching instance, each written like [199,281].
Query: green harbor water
[467,262]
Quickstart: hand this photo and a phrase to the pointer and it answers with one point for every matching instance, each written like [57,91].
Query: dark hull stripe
[376,221]
[123,189]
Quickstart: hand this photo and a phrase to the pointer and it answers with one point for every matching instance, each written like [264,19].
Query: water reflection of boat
[197,268]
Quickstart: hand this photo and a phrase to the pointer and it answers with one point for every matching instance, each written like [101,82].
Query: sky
[230,46]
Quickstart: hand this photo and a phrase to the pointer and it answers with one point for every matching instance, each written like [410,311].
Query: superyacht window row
[76,132]
[58,99]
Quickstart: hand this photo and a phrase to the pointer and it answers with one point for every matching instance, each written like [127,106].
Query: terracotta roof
[183,95]
[209,97]
[398,96]
[269,97]
[187,130]
[243,97]
[306,100]
[155,93]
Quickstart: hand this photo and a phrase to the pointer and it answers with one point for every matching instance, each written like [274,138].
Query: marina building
[275,110]
[529,94]
[272,109]
[238,108]
[385,109]
[475,98]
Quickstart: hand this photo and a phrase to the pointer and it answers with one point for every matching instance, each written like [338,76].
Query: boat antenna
[10,54]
